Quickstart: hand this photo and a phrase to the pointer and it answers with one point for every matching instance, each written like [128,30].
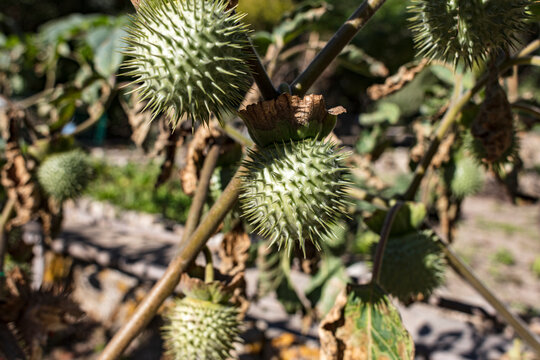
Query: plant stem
[363,195]
[188,250]
[201,192]
[332,49]
[259,73]
[381,246]
[104,102]
[463,270]
[530,48]
[237,136]
[209,266]
[527,108]
[6,214]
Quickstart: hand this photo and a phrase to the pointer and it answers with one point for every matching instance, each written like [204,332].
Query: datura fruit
[295,191]
[189,58]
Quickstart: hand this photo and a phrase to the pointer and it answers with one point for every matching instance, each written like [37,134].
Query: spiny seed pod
[188,56]
[467,178]
[64,176]
[202,326]
[296,191]
[493,129]
[466,31]
[412,264]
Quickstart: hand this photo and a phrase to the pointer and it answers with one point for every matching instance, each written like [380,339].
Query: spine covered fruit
[295,192]
[466,31]
[202,326]
[64,176]
[189,58]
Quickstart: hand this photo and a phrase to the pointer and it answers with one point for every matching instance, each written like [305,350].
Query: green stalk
[259,74]
[201,192]
[463,270]
[209,266]
[188,250]
[381,246]
[6,215]
[333,48]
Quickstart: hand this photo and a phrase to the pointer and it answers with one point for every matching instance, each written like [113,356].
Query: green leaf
[108,56]
[327,283]
[356,59]
[275,275]
[385,112]
[364,325]
[297,21]
[368,140]
[407,220]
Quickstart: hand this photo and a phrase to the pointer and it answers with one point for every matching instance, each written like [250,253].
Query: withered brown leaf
[233,251]
[195,155]
[405,75]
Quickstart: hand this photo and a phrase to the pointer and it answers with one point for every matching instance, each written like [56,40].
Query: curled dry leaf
[139,120]
[197,149]
[237,287]
[443,153]
[289,118]
[16,177]
[405,75]
[233,251]
[364,325]
[168,140]
[232,4]
[16,292]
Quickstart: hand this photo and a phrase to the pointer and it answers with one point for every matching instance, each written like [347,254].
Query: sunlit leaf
[364,325]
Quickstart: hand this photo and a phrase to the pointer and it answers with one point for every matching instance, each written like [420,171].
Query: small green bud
[64,176]
[296,191]
[188,56]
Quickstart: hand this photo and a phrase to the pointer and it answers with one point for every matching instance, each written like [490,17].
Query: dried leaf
[405,75]
[169,139]
[289,117]
[234,251]
[16,177]
[138,119]
[16,293]
[195,154]
[237,286]
[364,325]
[232,4]
[443,153]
